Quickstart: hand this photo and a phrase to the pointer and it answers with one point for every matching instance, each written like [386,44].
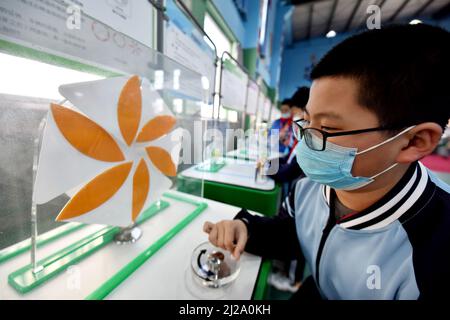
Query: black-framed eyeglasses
[316,139]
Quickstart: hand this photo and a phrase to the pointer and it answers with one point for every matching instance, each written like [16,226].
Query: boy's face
[285,108]
[333,106]
[297,112]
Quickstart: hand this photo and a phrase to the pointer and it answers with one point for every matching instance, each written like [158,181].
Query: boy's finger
[220,236]
[240,246]
[208,226]
[213,236]
[228,239]
[236,254]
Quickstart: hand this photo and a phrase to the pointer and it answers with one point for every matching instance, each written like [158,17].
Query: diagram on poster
[252,98]
[131,17]
[233,87]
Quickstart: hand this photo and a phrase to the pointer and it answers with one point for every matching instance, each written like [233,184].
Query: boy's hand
[230,235]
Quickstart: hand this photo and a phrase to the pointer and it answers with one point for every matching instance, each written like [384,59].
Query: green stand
[25,280]
[190,185]
[263,201]
[106,288]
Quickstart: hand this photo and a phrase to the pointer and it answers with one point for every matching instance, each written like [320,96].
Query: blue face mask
[285,115]
[333,166]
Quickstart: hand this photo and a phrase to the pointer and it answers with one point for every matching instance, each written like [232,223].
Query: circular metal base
[198,289]
[128,235]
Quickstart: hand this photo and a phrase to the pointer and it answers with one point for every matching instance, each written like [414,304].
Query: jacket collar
[406,199]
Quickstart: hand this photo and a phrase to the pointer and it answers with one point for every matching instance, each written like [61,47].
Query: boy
[284,126]
[289,170]
[298,102]
[371,221]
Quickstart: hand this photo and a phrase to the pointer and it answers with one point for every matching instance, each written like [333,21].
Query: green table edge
[107,287]
[261,284]
[73,253]
[270,211]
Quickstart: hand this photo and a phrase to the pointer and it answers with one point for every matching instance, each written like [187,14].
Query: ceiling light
[331,34]
[415,21]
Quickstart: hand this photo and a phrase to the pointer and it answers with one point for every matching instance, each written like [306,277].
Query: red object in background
[437,163]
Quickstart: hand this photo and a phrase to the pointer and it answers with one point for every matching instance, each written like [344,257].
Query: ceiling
[314,18]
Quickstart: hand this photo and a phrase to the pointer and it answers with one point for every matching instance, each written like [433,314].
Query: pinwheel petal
[96,192]
[129,109]
[85,135]
[162,161]
[141,186]
[155,128]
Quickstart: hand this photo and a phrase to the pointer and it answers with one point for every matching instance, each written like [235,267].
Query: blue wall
[281,30]
[251,24]
[246,31]
[444,23]
[298,60]
[232,17]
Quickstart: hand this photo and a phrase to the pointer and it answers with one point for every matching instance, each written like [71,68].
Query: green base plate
[25,280]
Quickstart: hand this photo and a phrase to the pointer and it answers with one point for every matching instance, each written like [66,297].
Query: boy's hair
[300,97]
[403,72]
[287,101]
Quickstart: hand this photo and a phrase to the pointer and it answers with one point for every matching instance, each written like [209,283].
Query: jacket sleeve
[275,237]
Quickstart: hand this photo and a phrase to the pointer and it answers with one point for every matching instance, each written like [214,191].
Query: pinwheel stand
[38,272]
[127,235]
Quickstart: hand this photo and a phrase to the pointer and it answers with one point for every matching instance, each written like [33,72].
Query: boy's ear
[420,142]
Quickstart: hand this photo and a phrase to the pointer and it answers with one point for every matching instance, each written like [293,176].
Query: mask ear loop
[386,141]
[384,171]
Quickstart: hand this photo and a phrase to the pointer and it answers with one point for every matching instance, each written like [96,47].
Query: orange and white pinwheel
[112,152]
